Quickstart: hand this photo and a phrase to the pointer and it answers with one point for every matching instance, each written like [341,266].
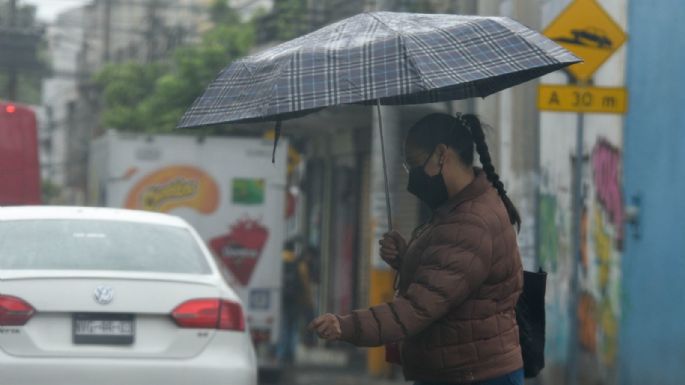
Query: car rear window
[79,244]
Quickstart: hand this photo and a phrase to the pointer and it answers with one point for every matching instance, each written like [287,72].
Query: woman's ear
[441,152]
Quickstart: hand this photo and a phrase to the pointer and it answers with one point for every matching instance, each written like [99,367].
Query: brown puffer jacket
[459,282]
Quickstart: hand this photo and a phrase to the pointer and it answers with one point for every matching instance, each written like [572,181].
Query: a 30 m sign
[582,99]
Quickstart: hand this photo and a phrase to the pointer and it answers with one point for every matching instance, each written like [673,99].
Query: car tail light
[209,314]
[14,311]
[231,316]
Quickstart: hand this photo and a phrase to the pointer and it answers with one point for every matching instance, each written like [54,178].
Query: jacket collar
[477,187]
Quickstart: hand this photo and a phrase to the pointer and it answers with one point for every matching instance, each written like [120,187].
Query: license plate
[104,329]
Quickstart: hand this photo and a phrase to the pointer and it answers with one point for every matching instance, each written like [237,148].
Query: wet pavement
[328,376]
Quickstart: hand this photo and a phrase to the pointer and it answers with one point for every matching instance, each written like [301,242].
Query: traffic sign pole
[572,374]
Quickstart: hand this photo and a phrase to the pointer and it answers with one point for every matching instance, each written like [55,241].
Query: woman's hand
[393,247]
[327,327]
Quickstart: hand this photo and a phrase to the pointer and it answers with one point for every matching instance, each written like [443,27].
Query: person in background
[309,276]
[297,303]
[460,276]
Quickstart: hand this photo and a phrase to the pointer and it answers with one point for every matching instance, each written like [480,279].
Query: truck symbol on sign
[589,37]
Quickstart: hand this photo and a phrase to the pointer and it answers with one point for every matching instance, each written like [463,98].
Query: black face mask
[430,189]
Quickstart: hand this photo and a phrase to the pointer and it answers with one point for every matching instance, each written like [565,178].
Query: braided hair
[474,124]
[461,133]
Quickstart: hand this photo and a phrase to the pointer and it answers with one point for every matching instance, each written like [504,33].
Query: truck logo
[241,248]
[173,187]
[175,190]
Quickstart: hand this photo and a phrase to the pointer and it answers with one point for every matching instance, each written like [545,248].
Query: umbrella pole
[385,166]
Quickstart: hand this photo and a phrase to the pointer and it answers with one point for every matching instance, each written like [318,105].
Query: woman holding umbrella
[460,276]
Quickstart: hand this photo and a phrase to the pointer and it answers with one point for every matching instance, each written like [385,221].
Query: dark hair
[461,133]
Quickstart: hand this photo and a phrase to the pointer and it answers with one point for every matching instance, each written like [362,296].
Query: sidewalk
[334,377]
[330,366]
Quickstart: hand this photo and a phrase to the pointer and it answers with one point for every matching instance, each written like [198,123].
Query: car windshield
[78,244]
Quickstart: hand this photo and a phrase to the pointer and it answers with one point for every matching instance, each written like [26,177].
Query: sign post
[587,30]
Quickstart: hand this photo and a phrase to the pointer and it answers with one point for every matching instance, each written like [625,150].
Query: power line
[164,5]
[146,4]
[172,33]
[191,7]
[114,28]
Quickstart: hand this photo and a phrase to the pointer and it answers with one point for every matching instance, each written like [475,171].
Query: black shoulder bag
[530,316]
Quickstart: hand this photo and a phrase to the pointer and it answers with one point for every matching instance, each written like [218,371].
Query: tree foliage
[291,18]
[152,97]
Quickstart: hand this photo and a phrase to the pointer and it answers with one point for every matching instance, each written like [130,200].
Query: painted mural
[555,257]
[597,314]
[601,280]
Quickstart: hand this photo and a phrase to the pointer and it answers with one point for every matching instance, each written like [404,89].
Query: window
[79,244]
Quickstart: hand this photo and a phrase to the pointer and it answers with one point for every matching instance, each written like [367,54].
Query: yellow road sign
[582,99]
[587,30]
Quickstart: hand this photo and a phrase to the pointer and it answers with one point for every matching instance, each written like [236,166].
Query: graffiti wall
[602,274]
[596,313]
[554,242]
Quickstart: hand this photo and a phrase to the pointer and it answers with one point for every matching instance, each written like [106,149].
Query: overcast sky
[49,9]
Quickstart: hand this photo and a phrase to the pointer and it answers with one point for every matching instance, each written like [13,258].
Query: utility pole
[107,35]
[12,71]
[152,31]
[48,144]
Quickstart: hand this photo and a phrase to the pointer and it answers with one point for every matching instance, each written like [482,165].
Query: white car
[105,296]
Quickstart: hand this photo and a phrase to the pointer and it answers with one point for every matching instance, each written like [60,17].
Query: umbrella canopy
[381,57]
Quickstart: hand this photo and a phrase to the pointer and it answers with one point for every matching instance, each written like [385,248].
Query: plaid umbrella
[393,58]
[382,58]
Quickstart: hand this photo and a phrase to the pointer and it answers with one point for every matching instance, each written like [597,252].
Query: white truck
[228,189]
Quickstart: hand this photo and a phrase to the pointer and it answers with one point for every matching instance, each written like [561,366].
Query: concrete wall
[652,349]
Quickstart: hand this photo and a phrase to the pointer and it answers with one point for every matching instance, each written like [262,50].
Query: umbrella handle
[385,166]
[277,136]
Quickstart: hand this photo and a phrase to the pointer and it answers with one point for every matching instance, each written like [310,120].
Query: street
[328,376]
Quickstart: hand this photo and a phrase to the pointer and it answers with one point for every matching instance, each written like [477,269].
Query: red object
[14,311]
[19,165]
[260,335]
[291,205]
[209,314]
[241,248]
